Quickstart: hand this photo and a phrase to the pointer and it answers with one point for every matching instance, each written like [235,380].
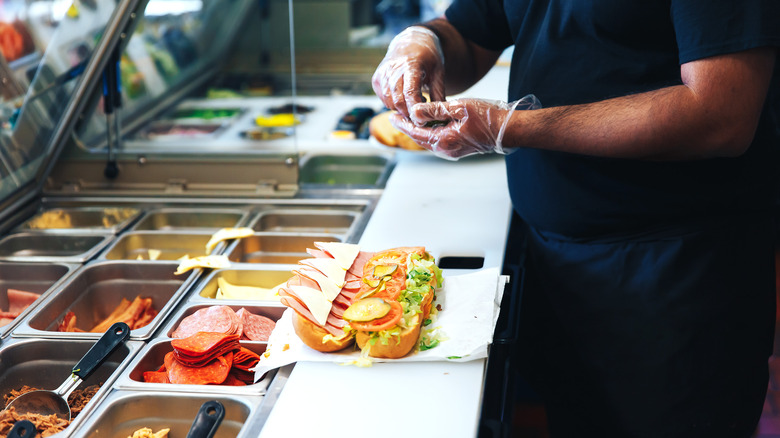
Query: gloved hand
[461,127]
[414,63]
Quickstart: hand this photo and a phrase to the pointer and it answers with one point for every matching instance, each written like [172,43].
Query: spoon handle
[111,339]
[207,421]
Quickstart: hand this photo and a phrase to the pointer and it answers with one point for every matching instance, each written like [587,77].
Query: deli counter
[140,131]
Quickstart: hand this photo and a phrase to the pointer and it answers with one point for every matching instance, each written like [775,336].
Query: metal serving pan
[123,412]
[75,220]
[40,247]
[151,358]
[331,170]
[37,278]
[45,363]
[170,219]
[96,290]
[157,246]
[305,221]
[275,248]
[265,276]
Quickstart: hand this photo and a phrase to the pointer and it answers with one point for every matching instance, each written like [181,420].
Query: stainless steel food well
[76,220]
[262,276]
[39,278]
[45,363]
[169,219]
[39,247]
[123,412]
[275,248]
[152,357]
[97,289]
[345,171]
[305,221]
[151,245]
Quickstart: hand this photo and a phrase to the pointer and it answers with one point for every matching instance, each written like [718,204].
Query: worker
[643,165]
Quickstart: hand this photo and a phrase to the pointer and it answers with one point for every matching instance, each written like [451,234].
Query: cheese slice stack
[325,285]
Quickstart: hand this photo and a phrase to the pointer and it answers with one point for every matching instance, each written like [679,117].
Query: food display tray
[275,248]
[40,247]
[246,274]
[151,358]
[95,290]
[123,412]
[46,363]
[40,278]
[78,220]
[190,219]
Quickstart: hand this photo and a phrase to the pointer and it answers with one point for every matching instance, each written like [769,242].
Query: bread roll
[313,336]
[385,133]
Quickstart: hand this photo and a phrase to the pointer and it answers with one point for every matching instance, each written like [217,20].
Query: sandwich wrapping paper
[469,304]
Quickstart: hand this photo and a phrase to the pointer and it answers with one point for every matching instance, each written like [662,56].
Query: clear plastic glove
[414,63]
[461,127]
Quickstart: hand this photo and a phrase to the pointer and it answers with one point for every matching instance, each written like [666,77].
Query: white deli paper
[469,303]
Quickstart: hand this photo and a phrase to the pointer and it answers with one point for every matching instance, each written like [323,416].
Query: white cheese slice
[329,267]
[344,253]
[315,301]
[328,286]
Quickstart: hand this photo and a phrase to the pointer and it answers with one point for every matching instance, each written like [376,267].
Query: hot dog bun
[317,338]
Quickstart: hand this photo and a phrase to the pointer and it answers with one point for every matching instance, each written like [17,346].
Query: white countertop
[455,209]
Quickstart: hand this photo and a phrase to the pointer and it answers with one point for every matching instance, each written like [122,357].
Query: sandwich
[395,300]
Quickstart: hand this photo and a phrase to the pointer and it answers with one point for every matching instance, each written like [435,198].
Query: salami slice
[256,327]
[217,319]
[245,359]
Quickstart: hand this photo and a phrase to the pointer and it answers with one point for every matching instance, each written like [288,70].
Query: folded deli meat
[380,299]
[18,301]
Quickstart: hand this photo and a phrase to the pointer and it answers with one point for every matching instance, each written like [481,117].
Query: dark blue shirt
[570,52]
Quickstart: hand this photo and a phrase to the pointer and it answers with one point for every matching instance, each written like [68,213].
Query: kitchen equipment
[22,429]
[207,420]
[46,402]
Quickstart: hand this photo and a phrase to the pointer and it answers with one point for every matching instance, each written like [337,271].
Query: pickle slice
[367,309]
[384,270]
[373,282]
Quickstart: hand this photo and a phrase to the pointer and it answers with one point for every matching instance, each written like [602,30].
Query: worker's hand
[461,127]
[414,63]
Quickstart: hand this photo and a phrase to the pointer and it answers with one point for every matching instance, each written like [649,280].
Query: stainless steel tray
[305,221]
[276,248]
[265,276]
[74,220]
[40,278]
[96,290]
[318,171]
[172,219]
[123,412]
[46,363]
[151,358]
[157,246]
[41,247]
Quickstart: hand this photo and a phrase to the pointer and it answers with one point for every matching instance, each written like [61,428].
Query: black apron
[661,335]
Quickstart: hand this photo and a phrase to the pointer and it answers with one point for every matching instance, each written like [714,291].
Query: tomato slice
[388,321]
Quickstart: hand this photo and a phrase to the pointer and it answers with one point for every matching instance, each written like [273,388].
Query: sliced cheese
[329,267]
[229,291]
[227,234]
[344,253]
[315,301]
[211,261]
[328,286]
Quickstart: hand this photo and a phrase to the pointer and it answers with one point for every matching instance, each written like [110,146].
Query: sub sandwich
[381,300]
[394,302]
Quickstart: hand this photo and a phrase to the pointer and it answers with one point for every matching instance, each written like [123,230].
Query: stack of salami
[206,358]
[222,319]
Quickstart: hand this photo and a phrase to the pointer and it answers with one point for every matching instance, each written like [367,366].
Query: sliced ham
[18,300]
